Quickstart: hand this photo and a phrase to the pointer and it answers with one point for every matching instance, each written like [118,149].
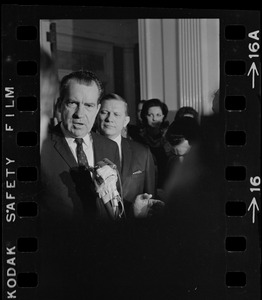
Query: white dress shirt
[87,146]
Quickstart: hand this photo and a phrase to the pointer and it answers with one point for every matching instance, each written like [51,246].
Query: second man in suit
[137,165]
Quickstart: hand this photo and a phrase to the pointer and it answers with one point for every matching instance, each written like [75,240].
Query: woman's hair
[152,103]
[141,102]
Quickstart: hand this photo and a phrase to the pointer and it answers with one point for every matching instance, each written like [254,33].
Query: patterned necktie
[81,157]
[82,162]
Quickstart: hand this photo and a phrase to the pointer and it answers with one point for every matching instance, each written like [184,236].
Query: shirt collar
[71,140]
[118,140]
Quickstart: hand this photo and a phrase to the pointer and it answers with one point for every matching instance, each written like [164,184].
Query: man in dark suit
[68,191]
[137,165]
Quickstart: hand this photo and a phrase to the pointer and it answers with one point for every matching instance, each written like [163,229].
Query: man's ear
[127,120]
[59,104]
[98,108]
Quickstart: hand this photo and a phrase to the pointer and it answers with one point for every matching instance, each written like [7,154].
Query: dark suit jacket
[67,192]
[137,170]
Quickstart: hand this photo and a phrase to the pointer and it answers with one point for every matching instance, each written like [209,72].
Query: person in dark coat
[153,114]
[137,164]
[67,191]
[72,217]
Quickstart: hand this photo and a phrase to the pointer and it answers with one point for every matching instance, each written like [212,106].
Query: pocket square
[137,172]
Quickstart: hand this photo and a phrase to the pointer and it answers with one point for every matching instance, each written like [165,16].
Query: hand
[144,206]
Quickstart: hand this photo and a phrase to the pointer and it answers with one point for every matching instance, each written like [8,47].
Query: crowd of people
[96,167]
[167,142]
[147,156]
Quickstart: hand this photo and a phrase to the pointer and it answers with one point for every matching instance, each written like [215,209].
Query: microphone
[105,178]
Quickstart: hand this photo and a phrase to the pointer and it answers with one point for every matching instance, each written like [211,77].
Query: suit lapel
[62,147]
[126,159]
[98,150]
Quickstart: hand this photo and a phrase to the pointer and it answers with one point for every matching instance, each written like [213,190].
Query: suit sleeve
[150,186]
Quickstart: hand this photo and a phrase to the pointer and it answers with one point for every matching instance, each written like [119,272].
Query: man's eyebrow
[72,100]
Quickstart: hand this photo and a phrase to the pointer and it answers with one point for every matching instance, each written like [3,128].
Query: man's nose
[79,112]
[109,117]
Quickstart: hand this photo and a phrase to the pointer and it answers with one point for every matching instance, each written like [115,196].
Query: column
[158,61]
[190,72]
[151,58]
[129,80]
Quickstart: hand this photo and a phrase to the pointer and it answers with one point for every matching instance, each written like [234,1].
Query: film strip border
[239,108]
[242,153]
[20,156]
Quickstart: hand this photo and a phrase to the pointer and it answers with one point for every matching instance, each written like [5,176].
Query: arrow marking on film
[254,71]
[254,206]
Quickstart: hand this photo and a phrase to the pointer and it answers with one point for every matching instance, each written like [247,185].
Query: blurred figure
[139,109]
[153,114]
[49,86]
[181,136]
[186,111]
[215,102]
[133,131]
[194,252]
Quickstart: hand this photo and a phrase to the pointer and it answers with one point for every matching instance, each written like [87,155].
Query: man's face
[112,118]
[79,108]
[154,116]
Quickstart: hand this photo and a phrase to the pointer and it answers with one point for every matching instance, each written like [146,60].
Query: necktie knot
[79,141]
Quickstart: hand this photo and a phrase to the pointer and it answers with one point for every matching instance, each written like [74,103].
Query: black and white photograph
[146,187]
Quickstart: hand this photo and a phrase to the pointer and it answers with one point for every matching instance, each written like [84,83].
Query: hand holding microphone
[105,178]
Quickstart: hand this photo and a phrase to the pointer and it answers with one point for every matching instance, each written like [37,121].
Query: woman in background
[153,115]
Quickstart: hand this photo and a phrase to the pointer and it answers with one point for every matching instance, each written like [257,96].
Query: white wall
[158,61]
[160,70]
[163,75]
[210,61]
[44,27]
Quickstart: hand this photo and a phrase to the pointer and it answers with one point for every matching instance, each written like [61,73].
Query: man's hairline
[81,82]
[119,100]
